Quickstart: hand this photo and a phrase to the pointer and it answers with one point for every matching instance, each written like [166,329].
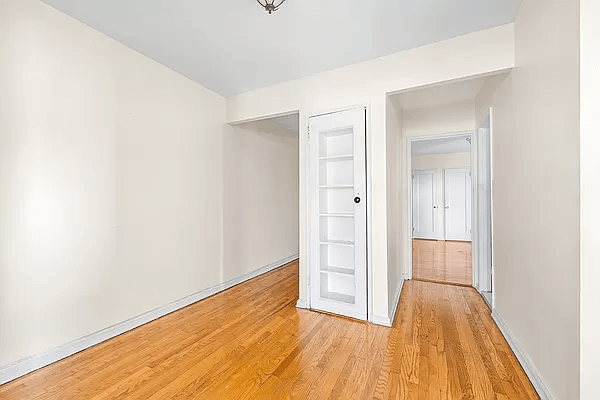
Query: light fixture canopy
[270,5]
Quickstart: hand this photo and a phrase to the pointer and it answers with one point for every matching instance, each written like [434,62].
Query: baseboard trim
[378,320]
[389,320]
[30,364]
[301,303]
[532,373]
[394,308]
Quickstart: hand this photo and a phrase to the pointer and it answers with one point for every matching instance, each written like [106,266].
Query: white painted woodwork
[484,205]
[338,275]
[457,203]
[426,206]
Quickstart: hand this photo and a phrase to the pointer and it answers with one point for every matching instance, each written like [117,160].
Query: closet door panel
[337,213]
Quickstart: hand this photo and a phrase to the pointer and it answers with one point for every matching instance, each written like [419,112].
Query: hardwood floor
[250,342]
[443,261]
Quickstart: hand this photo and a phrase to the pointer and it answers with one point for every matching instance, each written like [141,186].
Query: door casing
[479,260]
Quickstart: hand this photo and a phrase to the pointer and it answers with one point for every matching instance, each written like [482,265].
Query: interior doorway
[441,208]
[443,112]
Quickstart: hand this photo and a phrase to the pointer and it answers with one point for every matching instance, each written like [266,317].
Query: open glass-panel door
[337,213]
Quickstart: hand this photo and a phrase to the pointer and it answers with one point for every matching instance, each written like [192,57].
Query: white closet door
[426,210]
[338,213]
[457,198]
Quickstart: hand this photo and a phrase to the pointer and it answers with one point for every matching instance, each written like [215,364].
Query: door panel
[426,210]
[337,213]
[457,199]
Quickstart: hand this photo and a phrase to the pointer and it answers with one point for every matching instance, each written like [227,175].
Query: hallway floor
[443,261]
[251,342]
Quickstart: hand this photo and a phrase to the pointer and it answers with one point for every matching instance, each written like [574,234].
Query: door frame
[477,236]
[408,179]
[369,192]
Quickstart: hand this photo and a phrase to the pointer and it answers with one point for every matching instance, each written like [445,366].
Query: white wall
[260,196]
[111,184]
[590,198]
[438,120]
[536,191]
[393,115]
[435,161]
[482,52]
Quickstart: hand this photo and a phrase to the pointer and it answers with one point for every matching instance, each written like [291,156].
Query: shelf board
[338,242]
[337,132]
[344,157]
[336,186]
[337,270]
[342,298]
[341,215]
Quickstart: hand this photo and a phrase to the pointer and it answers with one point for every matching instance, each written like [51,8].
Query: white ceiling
[458,144]
[234,46]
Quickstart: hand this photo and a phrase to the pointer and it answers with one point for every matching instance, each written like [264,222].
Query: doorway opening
[260,194]
[441,209]
[451,220]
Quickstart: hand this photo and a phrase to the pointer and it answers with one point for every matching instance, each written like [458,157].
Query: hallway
[443,261]
[251,342]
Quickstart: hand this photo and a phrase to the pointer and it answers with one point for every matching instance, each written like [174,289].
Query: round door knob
[357,200]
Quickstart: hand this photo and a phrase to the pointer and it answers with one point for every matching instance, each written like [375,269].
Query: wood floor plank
[251,342]
[443,261]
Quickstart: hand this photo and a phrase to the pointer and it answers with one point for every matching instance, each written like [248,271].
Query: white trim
[488,301]
[478,265]
[377,320]
[301,303]
[30,364]
[491,182]
[475,207]
[394,308]
[262,117]
[534,376]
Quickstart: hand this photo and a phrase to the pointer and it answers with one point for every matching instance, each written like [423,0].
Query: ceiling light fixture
[270,5]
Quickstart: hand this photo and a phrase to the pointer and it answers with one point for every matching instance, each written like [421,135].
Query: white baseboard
[534,376]
[378,320]
[394,307]
[387,321]
[302,303]
[30,364]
